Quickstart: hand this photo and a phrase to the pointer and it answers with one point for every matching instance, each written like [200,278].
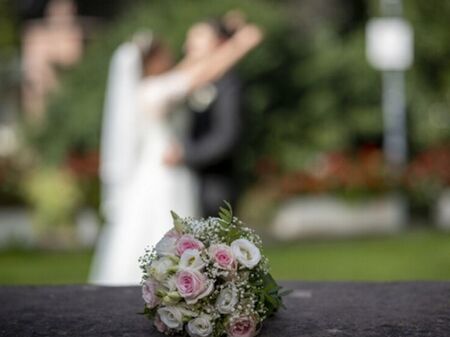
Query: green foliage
[272,294]
[8,28]
[417,255]
[308,86]
[149,313]
[54,197]
[429,79]
[74,115]
[226,214]
[177,222]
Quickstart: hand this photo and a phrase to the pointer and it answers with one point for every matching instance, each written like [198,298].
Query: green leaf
[269,283]
[175,216]
[285,292]
[150,313]
[233,234]
[226,214]
[272,295]
[177,222]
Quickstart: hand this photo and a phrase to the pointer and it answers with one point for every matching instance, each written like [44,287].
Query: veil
[119,139]
[129,193]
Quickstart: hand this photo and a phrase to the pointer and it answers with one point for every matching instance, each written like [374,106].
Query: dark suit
[212,142]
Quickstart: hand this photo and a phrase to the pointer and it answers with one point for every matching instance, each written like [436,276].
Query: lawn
[44,267]
[423,255]
[416,255]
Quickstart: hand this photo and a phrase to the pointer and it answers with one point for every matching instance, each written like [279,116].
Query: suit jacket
[215,129]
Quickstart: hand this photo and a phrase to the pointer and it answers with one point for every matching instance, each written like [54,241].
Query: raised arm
[225,57]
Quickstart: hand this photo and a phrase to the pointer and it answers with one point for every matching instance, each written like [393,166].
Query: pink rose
[192,285]
[149,293]
[223,256]
[244,326]
[160,326]
[187,241]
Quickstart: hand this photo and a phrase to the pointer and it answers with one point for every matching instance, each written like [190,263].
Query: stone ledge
[313,309]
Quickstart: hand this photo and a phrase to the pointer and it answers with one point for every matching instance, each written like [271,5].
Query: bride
[141,120]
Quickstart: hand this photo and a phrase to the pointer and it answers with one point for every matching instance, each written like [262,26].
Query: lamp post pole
[394,119]
[395,144]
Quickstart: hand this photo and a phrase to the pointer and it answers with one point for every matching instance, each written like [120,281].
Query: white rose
[166,246]
[227,300]
[191,259]
[246,252]
[200,326]
[172,317]
[160,268]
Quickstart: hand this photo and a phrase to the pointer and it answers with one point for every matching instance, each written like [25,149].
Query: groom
[216,124]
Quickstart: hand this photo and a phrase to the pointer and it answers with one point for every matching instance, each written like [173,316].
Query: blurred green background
[314,128]
[417,255]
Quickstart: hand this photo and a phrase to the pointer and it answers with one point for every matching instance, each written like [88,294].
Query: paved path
[16,229]
[322,309]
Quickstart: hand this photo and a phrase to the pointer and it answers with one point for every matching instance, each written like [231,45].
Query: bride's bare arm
[168,89]
[226,56]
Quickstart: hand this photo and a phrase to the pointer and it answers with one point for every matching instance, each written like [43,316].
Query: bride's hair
[221,27]
[149,46]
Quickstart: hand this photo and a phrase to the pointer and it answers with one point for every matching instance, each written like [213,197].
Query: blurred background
[345,163]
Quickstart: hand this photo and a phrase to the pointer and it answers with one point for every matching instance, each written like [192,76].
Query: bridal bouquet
[208,277]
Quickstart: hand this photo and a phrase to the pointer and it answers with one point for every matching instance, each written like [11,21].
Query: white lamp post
[389,48]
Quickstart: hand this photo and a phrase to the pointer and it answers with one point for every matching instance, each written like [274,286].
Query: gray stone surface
[313,309]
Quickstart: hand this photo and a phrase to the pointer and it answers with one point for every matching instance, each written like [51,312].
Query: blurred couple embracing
[169,133]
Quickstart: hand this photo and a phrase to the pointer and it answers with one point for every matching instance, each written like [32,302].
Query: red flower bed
[363,172]
[83,165]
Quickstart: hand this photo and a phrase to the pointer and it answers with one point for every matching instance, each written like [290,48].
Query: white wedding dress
[140,204]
